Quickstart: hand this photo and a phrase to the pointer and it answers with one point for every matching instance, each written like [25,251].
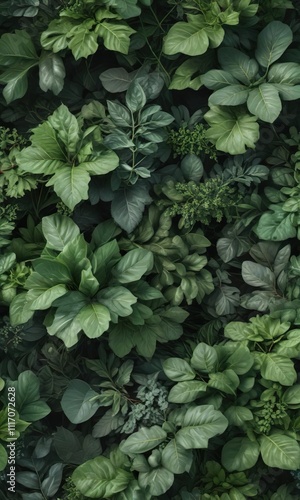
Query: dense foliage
[149,255]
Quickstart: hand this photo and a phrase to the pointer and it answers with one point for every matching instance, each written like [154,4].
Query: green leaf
[116,37]
[6,262]
[292,395]
[178,369]
[51,482]
[56,37]
[158,480]
[187,38]
[94,319]
[83,42]
[118,300]
[284,73]
[42,297]
[144,440]
[19,311]
[133,265]
[272,42]
[115,80]
[240,454]
[257,275]
[98,478]
[175,458]
[238,64]
[232,95]
[280,451]
[66,127]
[128,206]
[204,358]
[51,73]
[199,425]
[237,415]
[16,47]
[231,130]
[28,403]
[278,369]
[185,392]
[264,102]
[276,225]
[135,97]
[59,230]
[16,80]
[71,185]
[65,324]
[226,381]
[217,79]
[79,402]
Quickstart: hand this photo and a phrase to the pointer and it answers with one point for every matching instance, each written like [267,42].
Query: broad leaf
[231,129]
[98,478]
[133,265]
[204,358]
[199,425]
[158,480]
[79,401]
[185,392]
[278,369]
[144,440]
[51,73]
[272,42]
[71,185]
[238,64]
[264,102]
[94,319]
[178,369]
[175,458]
[257,275]
[280,451]
[187,38]
[59,230]
[240,454]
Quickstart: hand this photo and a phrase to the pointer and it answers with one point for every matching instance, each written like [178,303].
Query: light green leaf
[116,37]
[272,42]
[237,415]
[41,298]
[94,319]
[144,440]
[232,95]
[278,369]
[231,129]
[284,73]
[79,402]
[98,478]
[204,358]
[158,480]
[71,185]
[240,454]
[264,102]
[186,38]
[216,79]
[19,311]
[66,324]
[280,451]
[133,265]
[175,458]
[117,299]
[185,392]
[178,369]
[102,163]
[45,155]
[51,73]
[226,381]
[199,425]
[238,64]
[59,230]
[16,47]
[56,37]
[83,43]
[287,92]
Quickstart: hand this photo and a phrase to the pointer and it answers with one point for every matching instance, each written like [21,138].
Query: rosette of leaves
[179,263]
[204,25]
[82,22]
[139,139]
[86,287]
[12,277]
[156,452]
[257,83]
[62,149]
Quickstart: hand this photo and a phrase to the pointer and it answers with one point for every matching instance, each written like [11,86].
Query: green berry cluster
[71,492]
[203,202]
[191,141]
[62,209]
[151,408]
[10,336]
[269,415]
